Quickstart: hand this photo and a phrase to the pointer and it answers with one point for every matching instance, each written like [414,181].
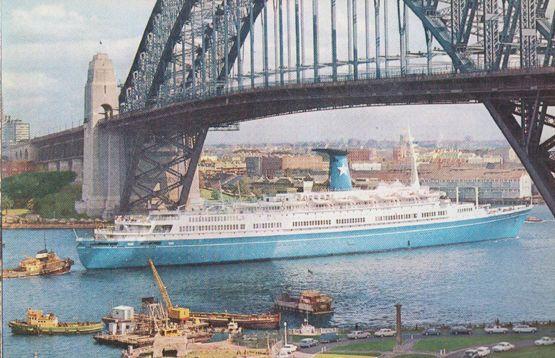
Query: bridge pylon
[103,152]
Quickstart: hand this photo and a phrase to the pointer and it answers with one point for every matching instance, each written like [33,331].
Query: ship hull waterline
[287,246]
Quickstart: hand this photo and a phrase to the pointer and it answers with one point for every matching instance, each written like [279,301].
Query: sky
[47,45]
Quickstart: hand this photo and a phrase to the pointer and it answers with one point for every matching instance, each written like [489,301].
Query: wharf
[124,340]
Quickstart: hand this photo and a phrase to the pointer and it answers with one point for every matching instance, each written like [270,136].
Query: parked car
[385,332]
[432,331]
[284,353]
[329,337]
[503,347]
[544,341]
[471,353]
[524,328]
[357,335]
[308,342]
[483,351]
[289,348]
[496,329]
[456,330]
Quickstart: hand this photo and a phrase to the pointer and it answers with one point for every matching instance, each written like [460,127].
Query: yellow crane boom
[174,313]
[161,285]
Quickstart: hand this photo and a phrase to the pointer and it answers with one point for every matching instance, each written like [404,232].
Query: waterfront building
[494,185]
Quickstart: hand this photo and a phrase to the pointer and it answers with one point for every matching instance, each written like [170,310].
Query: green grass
[415,356]
[531,352]
[382,345]
[453,343]
[17,212]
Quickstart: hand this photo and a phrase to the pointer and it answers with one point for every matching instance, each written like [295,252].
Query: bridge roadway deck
[249,104]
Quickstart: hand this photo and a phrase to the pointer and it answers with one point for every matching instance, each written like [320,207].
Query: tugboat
[309,302]
[39,323]
[44,263]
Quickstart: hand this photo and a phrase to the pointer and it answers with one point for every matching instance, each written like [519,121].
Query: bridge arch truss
[192,50]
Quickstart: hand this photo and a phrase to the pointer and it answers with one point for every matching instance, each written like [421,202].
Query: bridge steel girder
[441,33]
[163,165]
[414,89]
[537,158]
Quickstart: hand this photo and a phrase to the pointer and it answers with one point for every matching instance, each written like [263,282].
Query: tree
[7,203]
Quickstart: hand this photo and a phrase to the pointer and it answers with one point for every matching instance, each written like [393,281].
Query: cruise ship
[341,220]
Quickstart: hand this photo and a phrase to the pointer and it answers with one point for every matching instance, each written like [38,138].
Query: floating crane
[175,313]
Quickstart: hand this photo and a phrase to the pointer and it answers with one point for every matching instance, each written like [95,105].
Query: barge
[245,321]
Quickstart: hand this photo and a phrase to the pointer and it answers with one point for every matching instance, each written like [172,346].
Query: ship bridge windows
[136,229]
[162,229]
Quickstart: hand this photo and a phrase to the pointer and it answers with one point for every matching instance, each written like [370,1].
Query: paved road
[518,345]
[412,338]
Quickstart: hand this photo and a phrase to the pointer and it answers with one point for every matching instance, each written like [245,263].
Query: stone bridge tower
[104,162]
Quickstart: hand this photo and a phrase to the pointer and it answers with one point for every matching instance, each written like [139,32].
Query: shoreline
[51,226]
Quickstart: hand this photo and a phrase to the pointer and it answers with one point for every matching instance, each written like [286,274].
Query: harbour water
[511,279]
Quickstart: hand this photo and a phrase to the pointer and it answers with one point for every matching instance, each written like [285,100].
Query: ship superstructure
[339,221]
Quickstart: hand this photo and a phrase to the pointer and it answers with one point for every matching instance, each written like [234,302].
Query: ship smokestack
[339,176]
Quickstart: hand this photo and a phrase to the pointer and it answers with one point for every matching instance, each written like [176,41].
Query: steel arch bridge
[209,53]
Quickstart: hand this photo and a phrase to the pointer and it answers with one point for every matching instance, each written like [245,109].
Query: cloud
[51,22]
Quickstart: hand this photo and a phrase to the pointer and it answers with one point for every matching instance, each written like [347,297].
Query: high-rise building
[14,131]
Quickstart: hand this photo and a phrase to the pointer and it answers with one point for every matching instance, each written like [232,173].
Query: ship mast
[414,180]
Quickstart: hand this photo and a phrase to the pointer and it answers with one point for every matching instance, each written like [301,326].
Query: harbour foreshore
[50,225]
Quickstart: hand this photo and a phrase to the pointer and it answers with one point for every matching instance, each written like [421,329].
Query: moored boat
[39,323]
[310,302]
[245,321]
[44,263]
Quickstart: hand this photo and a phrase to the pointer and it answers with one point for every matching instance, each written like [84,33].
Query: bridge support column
[536,160]
[162,172]
[102,154]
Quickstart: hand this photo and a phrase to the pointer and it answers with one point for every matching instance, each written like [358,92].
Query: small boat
[310,301]
[39,323]
[245,321]
[533,219]
[44,263]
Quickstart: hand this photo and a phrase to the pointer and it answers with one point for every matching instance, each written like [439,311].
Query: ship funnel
[339,176]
